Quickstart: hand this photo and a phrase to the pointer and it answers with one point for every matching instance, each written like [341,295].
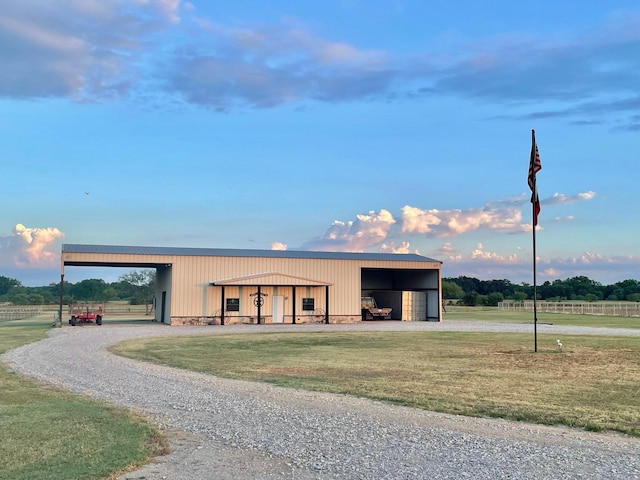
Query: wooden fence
[576,308]
[18,313]
[116,309]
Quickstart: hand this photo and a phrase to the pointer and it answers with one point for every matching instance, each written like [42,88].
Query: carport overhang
[72,259]
[126,264]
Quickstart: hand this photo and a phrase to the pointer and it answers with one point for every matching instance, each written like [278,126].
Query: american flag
[534,167]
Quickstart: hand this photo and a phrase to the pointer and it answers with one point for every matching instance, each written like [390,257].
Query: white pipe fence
[577,308]
[18,313]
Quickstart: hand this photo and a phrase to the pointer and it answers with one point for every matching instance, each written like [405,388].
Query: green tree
[468,284]
[88,290]
[142,286]
[470,299]
[18,298]
[519,296]
[556,289]
[493,299]
[451,290]
[505,287]
[581,286]
[7,284]
[36,299]
[625,288]
[108,294]
[45,293]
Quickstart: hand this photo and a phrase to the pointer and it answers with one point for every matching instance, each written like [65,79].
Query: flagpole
[534,167]
[535,293]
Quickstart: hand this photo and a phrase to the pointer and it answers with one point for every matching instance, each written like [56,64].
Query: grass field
[455,312]
[593,384]
[49,433]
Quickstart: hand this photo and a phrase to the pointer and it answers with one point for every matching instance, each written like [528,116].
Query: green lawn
[592,384]
[492,314]
[50,433]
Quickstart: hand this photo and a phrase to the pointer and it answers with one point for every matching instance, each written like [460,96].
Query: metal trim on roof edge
[236,252]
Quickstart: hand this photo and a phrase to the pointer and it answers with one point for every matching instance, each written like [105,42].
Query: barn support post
[61,298]
[259,303]
[222,306]
[293,306]
[326,304]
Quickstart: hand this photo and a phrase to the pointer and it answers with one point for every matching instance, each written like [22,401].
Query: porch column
[293,307]
[222,306]
[326,305]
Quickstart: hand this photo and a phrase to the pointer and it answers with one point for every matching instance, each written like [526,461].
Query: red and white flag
[534,167]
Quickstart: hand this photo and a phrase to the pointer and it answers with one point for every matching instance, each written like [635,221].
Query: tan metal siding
[106,258]
[189,273]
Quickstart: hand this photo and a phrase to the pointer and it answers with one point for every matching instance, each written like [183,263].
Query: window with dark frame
[233,304]
[308,304]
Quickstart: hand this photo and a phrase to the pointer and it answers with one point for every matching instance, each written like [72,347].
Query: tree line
[471,291]
[136,288]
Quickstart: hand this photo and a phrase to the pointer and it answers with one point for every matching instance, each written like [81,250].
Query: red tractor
[86,314]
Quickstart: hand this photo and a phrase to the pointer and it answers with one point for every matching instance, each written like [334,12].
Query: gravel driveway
[226,429]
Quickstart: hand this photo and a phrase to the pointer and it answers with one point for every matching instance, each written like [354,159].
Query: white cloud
[480,253]
[367,231]
[568,218]
[169,9]
[30,247]
[392,248]
[80,49]
[588,258]
[562,199]
[382,230]
[269,65]
[278,246]
[263,65]
[91,49]
[446,249]
[575,70]
[486,265]
[448,223]
[416,220]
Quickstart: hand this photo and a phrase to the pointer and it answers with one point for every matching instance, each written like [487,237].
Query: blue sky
[344,125]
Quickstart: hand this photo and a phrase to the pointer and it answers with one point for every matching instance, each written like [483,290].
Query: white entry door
[278,309]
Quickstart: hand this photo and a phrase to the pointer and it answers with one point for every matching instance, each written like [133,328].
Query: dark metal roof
[236,252]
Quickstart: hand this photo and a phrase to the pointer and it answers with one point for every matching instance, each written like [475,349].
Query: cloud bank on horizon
[31,248]
[39,248]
